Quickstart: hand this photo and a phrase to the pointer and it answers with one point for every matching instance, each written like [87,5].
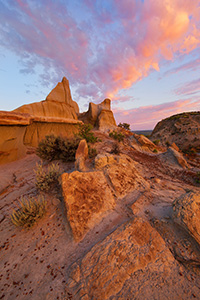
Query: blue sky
[144,55]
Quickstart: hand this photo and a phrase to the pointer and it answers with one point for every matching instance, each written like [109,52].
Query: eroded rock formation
[99,115]
[27,125]
[186,212]
[182,129]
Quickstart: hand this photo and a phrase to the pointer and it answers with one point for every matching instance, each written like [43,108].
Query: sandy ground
[34,264]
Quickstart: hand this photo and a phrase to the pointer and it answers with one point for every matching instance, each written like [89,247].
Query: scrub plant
[47,179]
[30,211]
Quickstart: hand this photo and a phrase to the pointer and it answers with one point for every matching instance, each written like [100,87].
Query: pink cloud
[147,117]
[117,44]
[191,87]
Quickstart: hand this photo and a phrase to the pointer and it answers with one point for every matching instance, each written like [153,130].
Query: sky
[142,54]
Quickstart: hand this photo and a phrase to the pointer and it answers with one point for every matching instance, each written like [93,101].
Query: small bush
[30,211]
[85,133]
[124,125]
[47,179]
[156,142]
[155,150]
[116,136]
[55,148]
[115,149]
[92,152]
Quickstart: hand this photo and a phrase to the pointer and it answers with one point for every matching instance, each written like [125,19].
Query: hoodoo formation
[27,125]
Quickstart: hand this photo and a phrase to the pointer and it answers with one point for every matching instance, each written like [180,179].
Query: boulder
[124,177]
[174,158]
[99,115]
[186,212]
[101,160]
[88,198]
[81,155]
[117,267]
[142,143]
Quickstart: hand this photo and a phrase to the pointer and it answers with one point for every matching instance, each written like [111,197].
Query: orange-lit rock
[81,155]
[186,212]
[99,115]
[108,270]
[88,198]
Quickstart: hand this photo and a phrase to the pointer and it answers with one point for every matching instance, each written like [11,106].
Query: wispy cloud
[146,117]
[191,88]
[116,44]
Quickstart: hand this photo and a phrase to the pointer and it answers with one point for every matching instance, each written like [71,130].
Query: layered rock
[108,270]
[27,125]
[173,157]
[99,115]
[186,212]
[81,155]
[182,129]
[88,198]
[58,103]
[142,143]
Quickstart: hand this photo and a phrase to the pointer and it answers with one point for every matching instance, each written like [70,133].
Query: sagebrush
[124,125]
[57,148]
[85,133]
[47,179]
[116,136]
[30,211]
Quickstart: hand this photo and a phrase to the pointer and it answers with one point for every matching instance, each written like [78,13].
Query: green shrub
[85,133]
[47,179]
[92,152]
[29,212]
[116,136]
[55,148]
[155,150]
[156,142]
[115,148]
[124,125]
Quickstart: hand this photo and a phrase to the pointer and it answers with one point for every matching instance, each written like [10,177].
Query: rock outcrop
[108,270]
[142,143]
[27,125]
[186,212]
[182,129]
[173,157]
[81,156]
[58,103]
[88,198]
[99,115]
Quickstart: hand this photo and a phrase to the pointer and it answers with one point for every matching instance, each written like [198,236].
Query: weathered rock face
[58,103]
[27,125]
[173,157]
[99,115]
[81,155]
[109,268]
[142,143]
[182,129]
[186,212]
[88,198]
